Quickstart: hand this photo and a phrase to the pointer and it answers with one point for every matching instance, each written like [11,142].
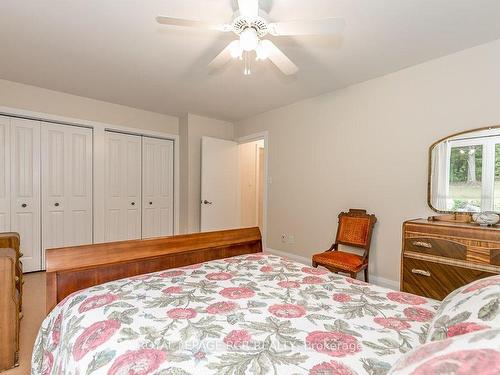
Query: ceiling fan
[251,26]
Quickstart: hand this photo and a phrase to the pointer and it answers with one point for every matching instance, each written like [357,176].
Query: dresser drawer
[436,246]
[435,280]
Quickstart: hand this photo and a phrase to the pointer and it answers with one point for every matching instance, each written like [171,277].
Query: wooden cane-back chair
[355,229]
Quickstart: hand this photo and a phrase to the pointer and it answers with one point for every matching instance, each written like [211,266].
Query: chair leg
[366,274]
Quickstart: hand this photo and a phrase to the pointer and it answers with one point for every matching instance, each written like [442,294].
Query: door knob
[56,204]
[133,203]
[206,202]
[150,203]
[24,205]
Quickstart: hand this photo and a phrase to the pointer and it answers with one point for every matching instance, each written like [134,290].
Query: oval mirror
[464,172]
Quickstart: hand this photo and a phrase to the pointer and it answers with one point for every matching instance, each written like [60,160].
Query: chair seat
[340,260]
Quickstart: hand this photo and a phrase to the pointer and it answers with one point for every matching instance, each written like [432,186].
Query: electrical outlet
[284,238]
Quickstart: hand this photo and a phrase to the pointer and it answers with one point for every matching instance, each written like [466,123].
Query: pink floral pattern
[289,284]
[336,344]
[342,297]
[173,290]
[95,302]
[464,327]
[180,313]
[238,338]
[287,310]
[139,362]
[313,280]
[174,273]
[94,336]
[418,314]
[474,307]
[219,276]
[406,298]
[331,368]
[56,330]
[237,293]
[476,353]
[222,307]
[393,323]
[232,316]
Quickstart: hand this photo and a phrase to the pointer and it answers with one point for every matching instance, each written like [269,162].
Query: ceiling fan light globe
[235,50]
[249,40]
[262,51]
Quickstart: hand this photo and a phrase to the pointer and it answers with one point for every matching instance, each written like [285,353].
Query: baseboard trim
[377,280]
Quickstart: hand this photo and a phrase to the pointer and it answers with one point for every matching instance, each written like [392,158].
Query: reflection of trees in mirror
[465,177]
[466,164]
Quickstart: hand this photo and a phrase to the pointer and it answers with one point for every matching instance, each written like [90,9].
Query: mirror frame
[430,166]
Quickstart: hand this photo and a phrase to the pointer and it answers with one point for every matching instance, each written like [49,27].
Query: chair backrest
[355,229]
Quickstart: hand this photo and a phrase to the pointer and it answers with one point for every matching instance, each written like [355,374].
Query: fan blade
[224,57]
[279,58]
[319,27]
[249,8]
[164,20]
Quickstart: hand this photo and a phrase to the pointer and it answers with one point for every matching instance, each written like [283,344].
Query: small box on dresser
[441,256]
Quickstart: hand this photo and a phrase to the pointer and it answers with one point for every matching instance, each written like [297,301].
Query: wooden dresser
[440,256]
[11,283]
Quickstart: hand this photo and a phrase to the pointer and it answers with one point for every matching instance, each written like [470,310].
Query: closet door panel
[123,187]
[157,187]
[4,174]
[25,189]
[53,191]
[150,220]
[79,186]
[132,201]
[114,146]
[166,188]
[66,186]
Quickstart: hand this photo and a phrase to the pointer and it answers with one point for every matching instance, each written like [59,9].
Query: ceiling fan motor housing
[259,24]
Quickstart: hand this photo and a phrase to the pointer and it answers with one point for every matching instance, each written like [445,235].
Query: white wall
[194,127]
[31,98]
[366,147]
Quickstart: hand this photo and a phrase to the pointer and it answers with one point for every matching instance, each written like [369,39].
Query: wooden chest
[11,282]
[439,257]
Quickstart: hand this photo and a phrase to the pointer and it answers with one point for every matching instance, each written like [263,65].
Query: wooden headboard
[74,268]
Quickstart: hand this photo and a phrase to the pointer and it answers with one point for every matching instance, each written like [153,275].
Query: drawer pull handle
[427,245]
[421,272]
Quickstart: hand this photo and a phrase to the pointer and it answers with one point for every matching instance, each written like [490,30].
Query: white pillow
[474,307]
[476,353]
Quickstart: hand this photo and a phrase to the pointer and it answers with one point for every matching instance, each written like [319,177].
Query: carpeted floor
[34,313]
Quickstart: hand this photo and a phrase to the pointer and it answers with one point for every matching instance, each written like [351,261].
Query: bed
[246,314]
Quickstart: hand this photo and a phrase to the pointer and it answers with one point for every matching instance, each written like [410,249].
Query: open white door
[219,185]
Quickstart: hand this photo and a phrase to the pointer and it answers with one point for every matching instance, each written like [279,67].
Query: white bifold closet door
[4,174]
[25,189]
[66,186]
[157,187]
[123,187]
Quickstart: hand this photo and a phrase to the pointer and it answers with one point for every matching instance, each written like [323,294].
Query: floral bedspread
[253,314]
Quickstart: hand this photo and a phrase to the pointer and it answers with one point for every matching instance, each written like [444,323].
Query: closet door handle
[133,203]
[56,204]
[150,203]
[24,205]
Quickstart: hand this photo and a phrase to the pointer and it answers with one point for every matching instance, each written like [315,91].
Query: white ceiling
[114,50]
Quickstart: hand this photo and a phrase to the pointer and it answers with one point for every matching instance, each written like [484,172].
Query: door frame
[261,136]
[99,149]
